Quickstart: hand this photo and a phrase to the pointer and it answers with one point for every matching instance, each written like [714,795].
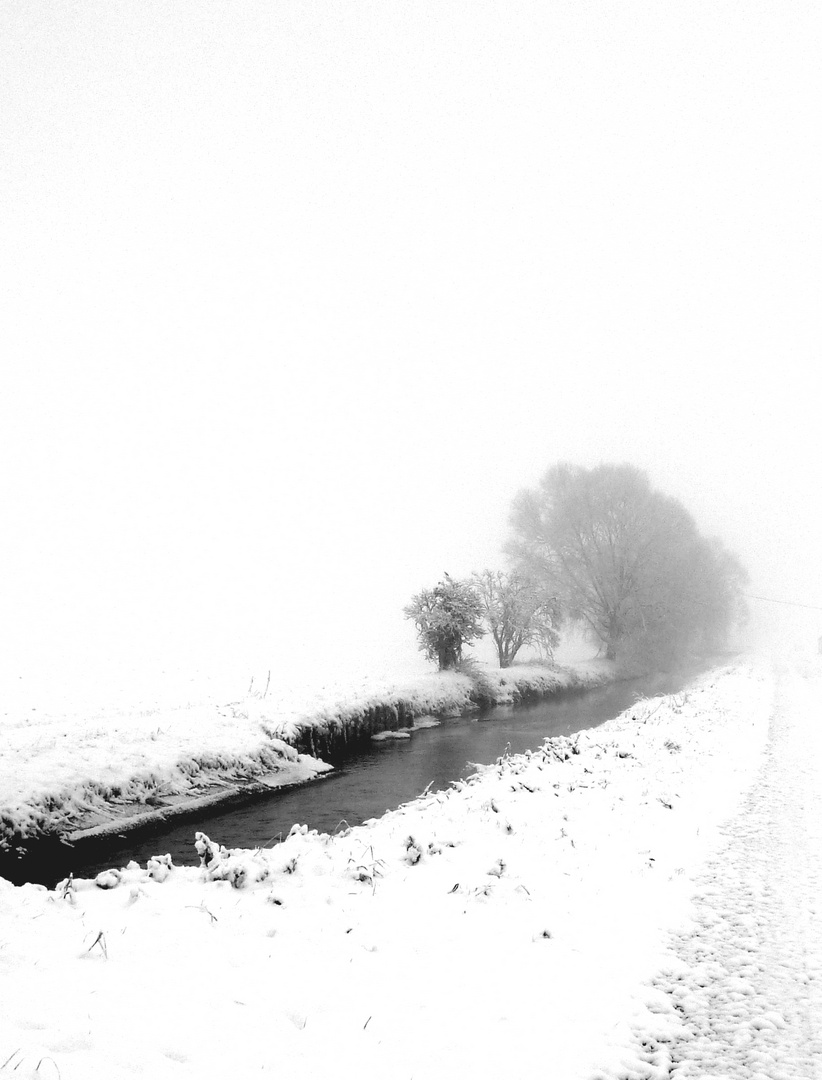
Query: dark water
[389,774]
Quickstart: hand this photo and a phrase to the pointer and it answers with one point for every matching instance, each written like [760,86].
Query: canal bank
[389,768]
[70,779]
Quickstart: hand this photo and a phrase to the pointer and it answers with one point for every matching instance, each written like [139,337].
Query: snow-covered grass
[56,770]
[509,926]
[60,769]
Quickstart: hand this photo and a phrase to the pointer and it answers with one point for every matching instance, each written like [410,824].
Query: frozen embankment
[510,926]
[81,773]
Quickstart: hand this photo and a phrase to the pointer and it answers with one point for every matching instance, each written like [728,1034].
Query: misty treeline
[602,550]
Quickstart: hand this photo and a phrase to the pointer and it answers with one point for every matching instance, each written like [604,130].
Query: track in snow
[747,985]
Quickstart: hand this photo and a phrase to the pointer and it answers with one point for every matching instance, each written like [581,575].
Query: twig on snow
[202,907]
[11,1057]
[101,941]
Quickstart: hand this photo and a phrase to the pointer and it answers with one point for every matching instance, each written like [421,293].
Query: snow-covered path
[747,983]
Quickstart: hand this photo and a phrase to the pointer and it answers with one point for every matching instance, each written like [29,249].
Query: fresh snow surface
[628,899]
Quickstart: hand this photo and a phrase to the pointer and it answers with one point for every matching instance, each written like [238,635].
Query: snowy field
[578,912]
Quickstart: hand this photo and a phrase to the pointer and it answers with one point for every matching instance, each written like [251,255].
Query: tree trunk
[449,657]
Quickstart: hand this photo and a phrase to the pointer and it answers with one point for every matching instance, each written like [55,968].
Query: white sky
[296,296]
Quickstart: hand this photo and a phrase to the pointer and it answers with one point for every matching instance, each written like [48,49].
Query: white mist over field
[296,298]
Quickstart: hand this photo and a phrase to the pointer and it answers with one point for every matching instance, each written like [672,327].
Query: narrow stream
[389,774]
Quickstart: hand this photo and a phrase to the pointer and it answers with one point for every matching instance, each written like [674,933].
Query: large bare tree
[627,561]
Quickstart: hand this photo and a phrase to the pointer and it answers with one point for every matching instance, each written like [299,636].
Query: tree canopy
[626,561]
[447,617]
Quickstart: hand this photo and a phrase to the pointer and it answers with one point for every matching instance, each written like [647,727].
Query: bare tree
[626,561]
[519,612]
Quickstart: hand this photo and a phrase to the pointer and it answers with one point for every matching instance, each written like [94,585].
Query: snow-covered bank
[330,732]
[79,771]
[508,926]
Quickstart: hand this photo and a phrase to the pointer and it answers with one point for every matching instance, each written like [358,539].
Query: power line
[789,603]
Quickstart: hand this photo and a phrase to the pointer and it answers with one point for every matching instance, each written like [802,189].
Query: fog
[296,297]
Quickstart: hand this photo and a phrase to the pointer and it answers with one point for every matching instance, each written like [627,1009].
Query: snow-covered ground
[578,912]
[743,985]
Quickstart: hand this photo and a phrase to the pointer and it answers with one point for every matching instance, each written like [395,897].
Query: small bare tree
[519,612]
